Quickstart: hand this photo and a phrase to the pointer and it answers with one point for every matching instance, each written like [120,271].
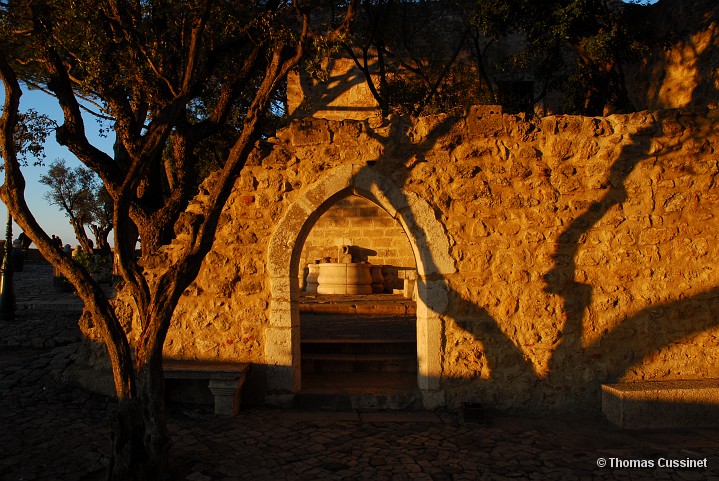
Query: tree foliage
[31,131]
[173,79]
[413,55]
[435,56]
[81,196]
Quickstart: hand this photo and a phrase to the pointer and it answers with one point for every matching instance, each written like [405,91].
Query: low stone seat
[225,380]
[662,404]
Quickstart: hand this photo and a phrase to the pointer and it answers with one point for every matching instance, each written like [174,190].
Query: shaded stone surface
[52,431]
[357,327]
[662,404]
[372,304]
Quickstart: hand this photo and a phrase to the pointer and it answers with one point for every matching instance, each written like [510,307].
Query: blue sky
[50,217]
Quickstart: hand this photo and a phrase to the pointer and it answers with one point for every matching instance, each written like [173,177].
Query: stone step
[376,304]
[359,309]
[662,404]
[316,363]
[359,391]
[363,346]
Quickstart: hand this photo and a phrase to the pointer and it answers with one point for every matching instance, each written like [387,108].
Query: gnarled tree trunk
[153,104]
[140,440]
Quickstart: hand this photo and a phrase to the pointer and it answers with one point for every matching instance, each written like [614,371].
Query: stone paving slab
[34,289]
[328,417]
[400,417]
[54,432]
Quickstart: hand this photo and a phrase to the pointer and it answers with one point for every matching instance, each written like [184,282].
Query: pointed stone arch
[429,243]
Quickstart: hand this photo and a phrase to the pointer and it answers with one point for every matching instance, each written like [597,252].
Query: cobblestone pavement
[34,290]
[52,431]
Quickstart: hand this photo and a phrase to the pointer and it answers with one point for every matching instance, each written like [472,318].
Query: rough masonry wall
[586,249]
[586,254]
[344,95]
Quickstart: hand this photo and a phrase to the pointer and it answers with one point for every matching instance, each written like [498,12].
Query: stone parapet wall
[680,71]
[585,250]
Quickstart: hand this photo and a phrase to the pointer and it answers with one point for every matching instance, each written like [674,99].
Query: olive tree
[78,193]
[169,76]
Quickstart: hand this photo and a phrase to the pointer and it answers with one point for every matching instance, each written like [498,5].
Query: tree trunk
[101,235]
[140,441]
[81,235]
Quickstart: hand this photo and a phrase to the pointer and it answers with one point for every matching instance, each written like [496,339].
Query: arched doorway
[358,341]
[431,251]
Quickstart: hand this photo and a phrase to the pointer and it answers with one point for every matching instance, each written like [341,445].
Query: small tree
[101,224]
[76,192]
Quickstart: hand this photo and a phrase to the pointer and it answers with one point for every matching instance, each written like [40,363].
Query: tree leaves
[82,197]
[30,134]
[406,49]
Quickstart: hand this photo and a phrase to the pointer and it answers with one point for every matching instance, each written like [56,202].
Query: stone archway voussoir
[333,182]
[379,189]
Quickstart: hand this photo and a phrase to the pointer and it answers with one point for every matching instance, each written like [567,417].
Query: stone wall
[344,94]
[681,70]
[554,255]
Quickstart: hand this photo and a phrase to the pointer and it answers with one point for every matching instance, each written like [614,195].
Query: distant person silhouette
[25,242]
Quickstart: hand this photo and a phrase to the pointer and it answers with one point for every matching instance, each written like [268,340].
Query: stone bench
[662,404]
[226,380]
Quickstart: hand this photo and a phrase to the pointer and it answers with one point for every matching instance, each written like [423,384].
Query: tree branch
[194,48]
[443,74]
[167,290]
[228,95]
[119,17]
[12,194]
[72,132]
[42,89]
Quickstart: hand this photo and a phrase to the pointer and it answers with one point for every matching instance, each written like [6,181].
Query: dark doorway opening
[358,352]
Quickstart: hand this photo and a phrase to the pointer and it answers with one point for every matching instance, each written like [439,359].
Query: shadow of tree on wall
[625,345]
[575,370]
[629,342]
[330,90]
[689,32]
[569,354]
